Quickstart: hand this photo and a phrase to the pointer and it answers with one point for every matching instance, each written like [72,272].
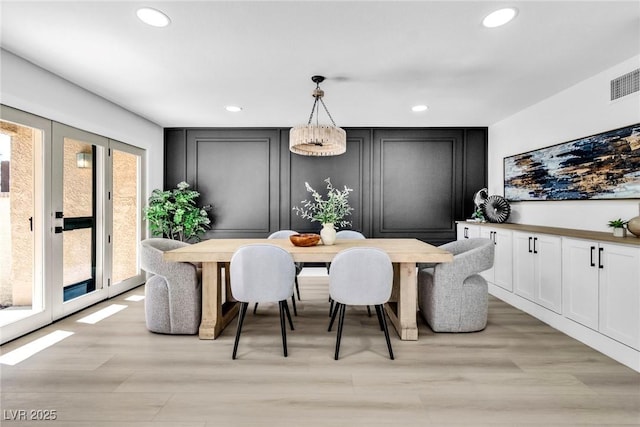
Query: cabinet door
[467,231]
[503,262]
[523,266]
[489,275]
[547,255]
[620,293]
[580,281]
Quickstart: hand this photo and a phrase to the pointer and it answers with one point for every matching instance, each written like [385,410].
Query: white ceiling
[379,57]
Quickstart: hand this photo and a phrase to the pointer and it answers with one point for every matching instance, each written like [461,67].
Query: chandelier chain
[313,108]
[327,111]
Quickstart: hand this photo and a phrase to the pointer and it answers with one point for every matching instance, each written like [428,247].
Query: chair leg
[340,325]
[386,331]
[293,301]
[369,311]
[333,315]
[243,311]
[255,308]
[379,314]
[286,309]
[330,306]
[283,329]
[298,289]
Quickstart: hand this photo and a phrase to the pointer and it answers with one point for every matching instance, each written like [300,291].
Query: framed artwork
[602,166]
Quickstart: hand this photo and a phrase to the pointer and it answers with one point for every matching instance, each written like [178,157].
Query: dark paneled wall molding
[407,182]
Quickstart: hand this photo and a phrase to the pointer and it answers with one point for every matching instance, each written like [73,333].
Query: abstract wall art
[602,166]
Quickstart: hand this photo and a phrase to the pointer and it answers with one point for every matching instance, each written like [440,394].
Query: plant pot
[328,234]
[620,232]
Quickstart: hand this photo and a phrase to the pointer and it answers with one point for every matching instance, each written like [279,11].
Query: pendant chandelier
[316,139]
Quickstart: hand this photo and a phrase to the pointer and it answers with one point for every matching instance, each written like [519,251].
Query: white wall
[579,111]
[27,87]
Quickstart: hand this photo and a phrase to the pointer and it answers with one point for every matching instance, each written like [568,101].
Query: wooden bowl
[304,239]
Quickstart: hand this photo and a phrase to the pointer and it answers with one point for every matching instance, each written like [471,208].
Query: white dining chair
[345,234]
[284,234]
[361,276]
[262,273]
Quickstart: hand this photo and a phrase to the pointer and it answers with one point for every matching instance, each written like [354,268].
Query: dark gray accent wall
[406,182]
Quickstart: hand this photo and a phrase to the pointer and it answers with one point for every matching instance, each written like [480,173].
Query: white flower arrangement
[330,211]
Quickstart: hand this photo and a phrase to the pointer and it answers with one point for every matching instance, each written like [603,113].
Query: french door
[78,204]
[124,219]
[70,220]
[25,147]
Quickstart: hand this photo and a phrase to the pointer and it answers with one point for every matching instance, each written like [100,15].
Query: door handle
[535,251]
[530,251]
[593,264]
[600,250]
[59,227]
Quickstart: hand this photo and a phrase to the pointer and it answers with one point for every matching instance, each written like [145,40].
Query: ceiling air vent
[625,84]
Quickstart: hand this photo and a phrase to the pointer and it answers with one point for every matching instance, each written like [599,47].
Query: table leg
[216,314]
[403,313]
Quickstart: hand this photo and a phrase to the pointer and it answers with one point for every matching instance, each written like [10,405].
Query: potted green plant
[328,212]
[618,227]
[478,215]
[174,214]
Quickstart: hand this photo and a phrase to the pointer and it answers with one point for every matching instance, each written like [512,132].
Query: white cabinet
[620,293]
[602,288]
[537,269]
[580,281]
[502,272]
[467,231]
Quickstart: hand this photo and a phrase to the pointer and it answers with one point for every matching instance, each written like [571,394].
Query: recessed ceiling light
[233,108]
[153,17]
[418,108]
[499,17]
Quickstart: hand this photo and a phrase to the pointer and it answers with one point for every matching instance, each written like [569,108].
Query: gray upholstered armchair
[173,295]
[453,297]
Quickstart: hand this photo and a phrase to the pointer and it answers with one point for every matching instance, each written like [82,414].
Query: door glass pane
[125,216]
[79,220]
[21,291]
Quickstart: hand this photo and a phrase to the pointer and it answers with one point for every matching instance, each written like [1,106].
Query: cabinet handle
[600,250]
[465,233]
[593,248]
[494,237]
[530,251]
[535,239]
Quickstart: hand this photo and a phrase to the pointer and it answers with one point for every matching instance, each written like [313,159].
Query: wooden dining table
[215,255]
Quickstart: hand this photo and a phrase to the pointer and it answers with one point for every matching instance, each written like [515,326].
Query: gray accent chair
[262,273]
[173,295]
[360,276]
[453,297]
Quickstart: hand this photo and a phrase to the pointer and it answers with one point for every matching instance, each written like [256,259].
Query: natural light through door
[21,285]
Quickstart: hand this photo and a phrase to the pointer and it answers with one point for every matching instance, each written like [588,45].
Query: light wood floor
[518,371]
